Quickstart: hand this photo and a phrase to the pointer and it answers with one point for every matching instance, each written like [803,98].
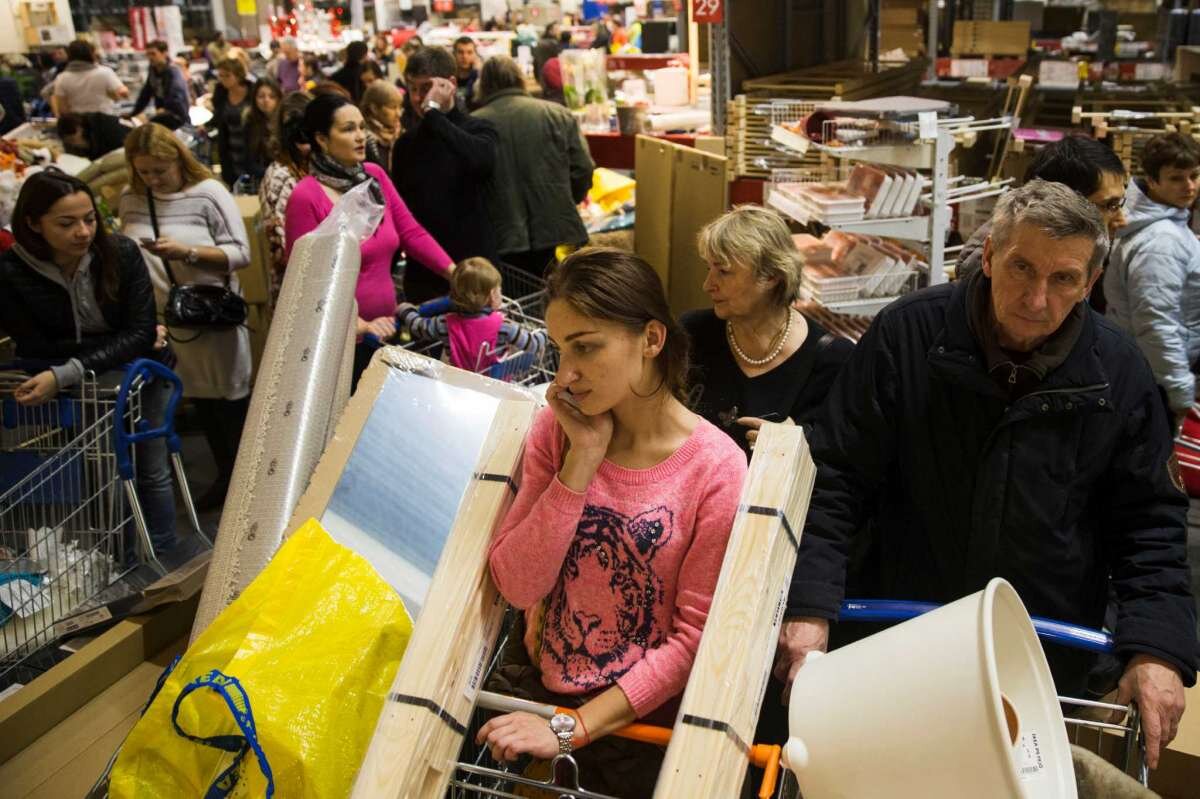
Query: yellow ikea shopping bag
[280,695]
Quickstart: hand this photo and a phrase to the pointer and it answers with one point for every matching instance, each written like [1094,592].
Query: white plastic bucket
[916,711]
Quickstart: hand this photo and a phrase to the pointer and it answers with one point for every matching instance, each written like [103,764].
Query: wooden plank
[62,690]
[72,755]
[709,752]
[421,728]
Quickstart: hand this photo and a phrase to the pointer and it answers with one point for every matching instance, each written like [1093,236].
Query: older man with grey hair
[998,427]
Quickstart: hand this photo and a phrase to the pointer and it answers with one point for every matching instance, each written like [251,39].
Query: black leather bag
[195,306]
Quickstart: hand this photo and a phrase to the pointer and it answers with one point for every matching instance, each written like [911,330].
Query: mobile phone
[146,241]
[566,396]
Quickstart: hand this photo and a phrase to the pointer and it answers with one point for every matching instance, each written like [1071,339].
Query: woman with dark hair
[310,72]
[231,101]
[290,150]
[78,296]
[335,128]
[621,485]
[372,72]
[189,223]
[266,96]
[350,75]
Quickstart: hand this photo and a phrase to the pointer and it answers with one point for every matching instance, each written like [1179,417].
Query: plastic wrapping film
[421,429]
[302,384]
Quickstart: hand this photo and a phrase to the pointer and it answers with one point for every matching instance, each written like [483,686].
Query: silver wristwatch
[563,726]
[193,256]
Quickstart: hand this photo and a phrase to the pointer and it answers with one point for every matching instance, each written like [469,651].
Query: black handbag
[194,306]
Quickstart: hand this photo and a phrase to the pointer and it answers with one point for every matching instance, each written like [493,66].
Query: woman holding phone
[79,297]
[187,220]
[616,537]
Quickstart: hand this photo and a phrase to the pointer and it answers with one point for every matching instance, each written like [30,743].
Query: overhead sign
[710,11]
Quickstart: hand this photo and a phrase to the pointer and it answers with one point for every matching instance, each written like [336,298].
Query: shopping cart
[67,499]
[477,774]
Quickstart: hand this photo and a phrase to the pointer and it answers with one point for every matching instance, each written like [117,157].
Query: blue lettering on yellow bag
[239,705]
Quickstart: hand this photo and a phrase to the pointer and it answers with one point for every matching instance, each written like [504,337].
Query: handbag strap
[154,227]
[229,689]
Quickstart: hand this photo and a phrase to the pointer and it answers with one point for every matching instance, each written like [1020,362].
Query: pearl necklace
[772,355]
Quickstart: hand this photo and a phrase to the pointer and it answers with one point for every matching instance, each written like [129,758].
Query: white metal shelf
[909,228]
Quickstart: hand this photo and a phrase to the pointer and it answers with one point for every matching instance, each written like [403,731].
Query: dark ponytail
[617,286]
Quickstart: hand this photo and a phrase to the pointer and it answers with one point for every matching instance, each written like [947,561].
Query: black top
[232,143]
[104,133]
[38,314]
[440,166]
[349,77]
[721,391]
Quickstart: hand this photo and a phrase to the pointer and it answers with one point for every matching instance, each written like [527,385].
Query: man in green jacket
[542,172]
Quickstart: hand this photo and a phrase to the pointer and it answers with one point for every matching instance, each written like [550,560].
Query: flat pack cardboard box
[990,38]
[255,279]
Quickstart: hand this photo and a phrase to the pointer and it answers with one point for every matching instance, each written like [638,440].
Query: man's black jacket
[36,312]
[1061,492]
[441,165]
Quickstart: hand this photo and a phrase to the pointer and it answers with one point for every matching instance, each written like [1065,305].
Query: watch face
[561,724]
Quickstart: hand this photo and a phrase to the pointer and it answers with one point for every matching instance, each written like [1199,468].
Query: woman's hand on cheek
[586,434]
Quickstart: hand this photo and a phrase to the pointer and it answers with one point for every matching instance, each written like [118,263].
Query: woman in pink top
[615,540]
[334,127]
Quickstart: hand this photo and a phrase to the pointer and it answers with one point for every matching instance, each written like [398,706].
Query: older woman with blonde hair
[381,105]
[188,222]
[755,357]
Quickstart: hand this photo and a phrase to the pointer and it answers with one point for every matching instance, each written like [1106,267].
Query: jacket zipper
[1078,389]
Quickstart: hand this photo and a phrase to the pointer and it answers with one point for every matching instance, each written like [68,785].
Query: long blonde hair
[156,141]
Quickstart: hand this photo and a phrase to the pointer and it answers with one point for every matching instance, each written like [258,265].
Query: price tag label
[708,11]
[927,124]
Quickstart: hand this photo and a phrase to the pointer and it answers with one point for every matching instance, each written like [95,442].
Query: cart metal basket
[67,500]
[478,775]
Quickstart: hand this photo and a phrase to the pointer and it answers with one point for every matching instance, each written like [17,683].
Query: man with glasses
[1080,163]
[1153,281]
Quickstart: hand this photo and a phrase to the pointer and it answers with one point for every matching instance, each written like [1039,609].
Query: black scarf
[339,177]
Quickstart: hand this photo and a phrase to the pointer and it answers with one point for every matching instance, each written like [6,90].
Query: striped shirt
[434,328]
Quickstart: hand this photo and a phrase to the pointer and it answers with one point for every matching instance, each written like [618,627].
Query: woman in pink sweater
[615,540]
[335,128]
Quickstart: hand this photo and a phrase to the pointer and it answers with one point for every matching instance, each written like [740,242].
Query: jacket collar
[51,271]
[1080,383]
[505,93]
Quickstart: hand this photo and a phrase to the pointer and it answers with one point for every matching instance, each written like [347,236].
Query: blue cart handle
[148,370]
[1057,632]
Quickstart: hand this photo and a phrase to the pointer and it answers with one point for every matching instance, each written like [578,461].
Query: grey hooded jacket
[1152,284]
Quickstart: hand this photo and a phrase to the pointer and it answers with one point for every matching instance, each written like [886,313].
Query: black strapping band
[779,514]
[489,477]
[719,726]
[432,707]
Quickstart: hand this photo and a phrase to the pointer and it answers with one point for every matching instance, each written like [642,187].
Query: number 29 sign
[710,11]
